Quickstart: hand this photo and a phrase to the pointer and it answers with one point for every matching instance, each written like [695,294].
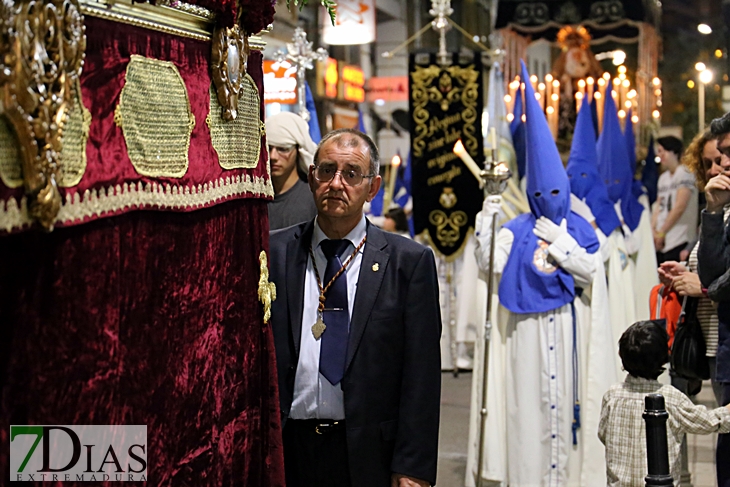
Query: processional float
[134,183]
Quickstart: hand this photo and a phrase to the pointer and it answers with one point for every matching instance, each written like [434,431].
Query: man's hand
[398,480]
[688,284]
[684,255]
[549,231]
[717,192]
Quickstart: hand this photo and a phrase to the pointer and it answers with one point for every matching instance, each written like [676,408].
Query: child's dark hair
[644,349]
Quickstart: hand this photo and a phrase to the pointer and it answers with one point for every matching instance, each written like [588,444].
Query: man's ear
[310,177]
[374,187]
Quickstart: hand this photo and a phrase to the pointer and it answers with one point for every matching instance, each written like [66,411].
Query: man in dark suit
[356,327]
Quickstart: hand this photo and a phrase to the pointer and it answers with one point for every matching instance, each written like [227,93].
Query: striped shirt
[706,311]
[623,431]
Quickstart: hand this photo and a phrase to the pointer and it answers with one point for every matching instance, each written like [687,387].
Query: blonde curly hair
[692,157]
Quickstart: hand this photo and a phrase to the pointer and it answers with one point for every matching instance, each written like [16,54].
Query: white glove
[492,204]
[549,231]
[580,207]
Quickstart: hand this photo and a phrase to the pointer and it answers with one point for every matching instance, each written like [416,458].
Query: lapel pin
[376,267]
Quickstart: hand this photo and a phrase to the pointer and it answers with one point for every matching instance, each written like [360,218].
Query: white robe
[455,291]
[646,276]
[530,370]
[621,294]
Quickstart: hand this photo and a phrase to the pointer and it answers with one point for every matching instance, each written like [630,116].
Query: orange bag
[666,304]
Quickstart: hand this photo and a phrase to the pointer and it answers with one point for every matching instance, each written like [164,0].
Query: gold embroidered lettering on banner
[455,84]
[238,142]
[11,167]
[42,46]
[228,64]
[75,136]
[72,158]
[448,227]
[267,290]
[156,119]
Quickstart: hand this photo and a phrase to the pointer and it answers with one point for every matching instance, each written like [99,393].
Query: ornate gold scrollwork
[229,61]
[267,290]
[42,46]
[448,228]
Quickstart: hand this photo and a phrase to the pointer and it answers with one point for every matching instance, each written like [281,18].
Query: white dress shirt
[314,396]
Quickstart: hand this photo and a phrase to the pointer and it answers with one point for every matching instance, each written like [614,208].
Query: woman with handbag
[703,159]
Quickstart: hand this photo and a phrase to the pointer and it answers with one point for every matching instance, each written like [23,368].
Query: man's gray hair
[352,142]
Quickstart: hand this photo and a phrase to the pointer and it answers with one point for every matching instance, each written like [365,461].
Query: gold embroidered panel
[155,116]
[11,168]
[75,136]
[237,142]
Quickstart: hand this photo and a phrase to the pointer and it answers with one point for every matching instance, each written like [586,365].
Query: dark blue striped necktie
[336,314]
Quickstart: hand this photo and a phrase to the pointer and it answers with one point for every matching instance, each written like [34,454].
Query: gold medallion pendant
[318,328]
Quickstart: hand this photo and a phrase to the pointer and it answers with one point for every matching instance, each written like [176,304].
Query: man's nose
[337,181]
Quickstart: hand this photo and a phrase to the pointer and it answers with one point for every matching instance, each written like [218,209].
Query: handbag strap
[658,310]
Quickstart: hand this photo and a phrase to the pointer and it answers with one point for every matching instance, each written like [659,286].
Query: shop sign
[353,83]
[280,82]
[387,88]
[354,23]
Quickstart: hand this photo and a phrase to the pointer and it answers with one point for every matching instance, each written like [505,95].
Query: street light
[704,29]
[704,77]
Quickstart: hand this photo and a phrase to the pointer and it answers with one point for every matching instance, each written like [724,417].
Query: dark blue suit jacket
[392,381]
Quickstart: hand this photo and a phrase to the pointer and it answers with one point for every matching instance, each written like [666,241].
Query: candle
[470,163]
[493,138]
[591,86]
[541,89]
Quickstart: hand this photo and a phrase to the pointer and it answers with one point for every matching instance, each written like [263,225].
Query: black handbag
[688,358]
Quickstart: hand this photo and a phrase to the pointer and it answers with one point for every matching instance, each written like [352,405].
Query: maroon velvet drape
[147,318]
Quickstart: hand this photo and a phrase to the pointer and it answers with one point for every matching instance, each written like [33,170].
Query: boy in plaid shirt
[643,351]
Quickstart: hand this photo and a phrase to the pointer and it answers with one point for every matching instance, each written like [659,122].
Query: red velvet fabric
[110,46]
[147,318]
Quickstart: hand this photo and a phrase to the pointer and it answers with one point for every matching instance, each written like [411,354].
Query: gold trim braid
[107,201]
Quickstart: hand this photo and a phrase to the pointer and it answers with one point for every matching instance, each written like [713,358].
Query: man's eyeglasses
[324,173]
[284,150]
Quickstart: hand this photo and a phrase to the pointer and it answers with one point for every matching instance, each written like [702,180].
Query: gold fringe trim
[107,201]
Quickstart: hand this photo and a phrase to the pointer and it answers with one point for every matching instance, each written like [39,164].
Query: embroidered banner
[149,146]
[445,105]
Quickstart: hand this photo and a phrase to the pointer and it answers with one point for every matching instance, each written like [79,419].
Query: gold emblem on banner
[42,48]
[448,227]
[155,116]
[238,142]
[228,62]
[267,290]
[448,199]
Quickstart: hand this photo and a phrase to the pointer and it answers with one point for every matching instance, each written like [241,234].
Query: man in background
[714,269]
[291,151]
